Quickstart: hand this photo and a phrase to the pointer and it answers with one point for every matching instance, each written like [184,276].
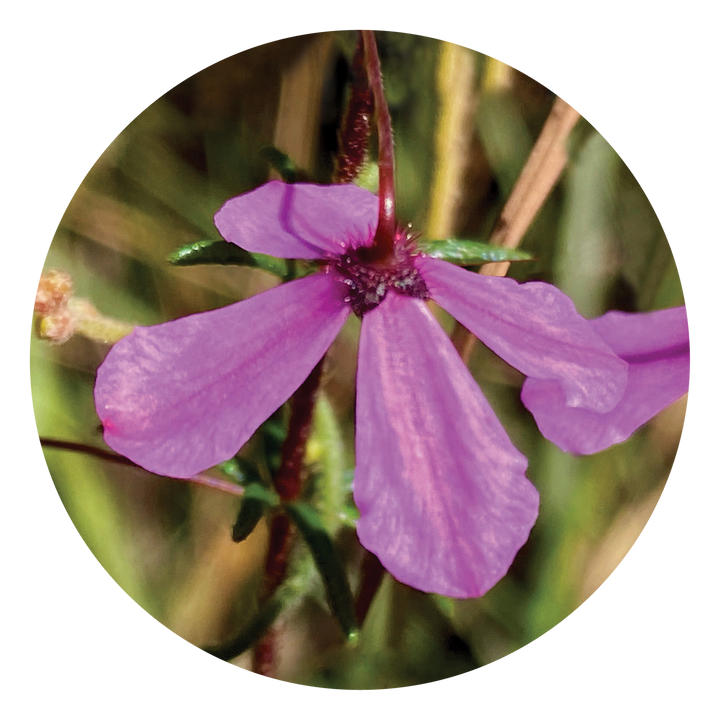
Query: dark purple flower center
[368,283]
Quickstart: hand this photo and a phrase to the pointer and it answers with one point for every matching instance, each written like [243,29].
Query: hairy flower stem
[383,247]
[288,479]
[383,244]
[353,142]
[288,484]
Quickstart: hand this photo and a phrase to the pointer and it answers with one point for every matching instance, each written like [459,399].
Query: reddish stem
[288,478]
[356,127]
[277,558]
[263,660]
[288,483]
[384,241]
[383,247]
[200,479]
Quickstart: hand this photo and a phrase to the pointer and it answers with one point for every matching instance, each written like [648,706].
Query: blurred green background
[157,187]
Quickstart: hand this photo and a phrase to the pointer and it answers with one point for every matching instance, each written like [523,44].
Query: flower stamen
[368,283]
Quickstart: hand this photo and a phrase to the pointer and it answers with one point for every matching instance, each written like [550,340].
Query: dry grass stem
[542,170]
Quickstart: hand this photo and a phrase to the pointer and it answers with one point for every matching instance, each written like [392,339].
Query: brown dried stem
[542,170]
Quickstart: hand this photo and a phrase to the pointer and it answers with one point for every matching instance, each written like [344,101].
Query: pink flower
[443,498]
[656,347]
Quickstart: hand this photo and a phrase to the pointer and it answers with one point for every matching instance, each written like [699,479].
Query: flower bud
[54,291]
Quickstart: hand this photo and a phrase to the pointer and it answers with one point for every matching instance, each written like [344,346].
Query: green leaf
[470,252]
[220,252]
[204,252]
[322,548]
[283,164]
[256,500]
[325,458]
[258,626]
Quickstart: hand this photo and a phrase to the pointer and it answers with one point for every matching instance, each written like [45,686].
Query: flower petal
[180,397]
[535,328]
[444,502]
[632,335]
[300,220]
[656,347]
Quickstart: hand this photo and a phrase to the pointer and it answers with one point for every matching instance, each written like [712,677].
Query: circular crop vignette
[344,383]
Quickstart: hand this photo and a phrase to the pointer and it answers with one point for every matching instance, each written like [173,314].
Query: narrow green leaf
[470,252]
[220,252]
[210,252]
[283,164]
[284,597]
[322,548]
[249,516]
[256,500]
[258,626]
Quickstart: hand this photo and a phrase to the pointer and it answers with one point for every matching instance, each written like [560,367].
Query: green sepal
[470,252]
[220,252]
[322,548]
[256,501]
